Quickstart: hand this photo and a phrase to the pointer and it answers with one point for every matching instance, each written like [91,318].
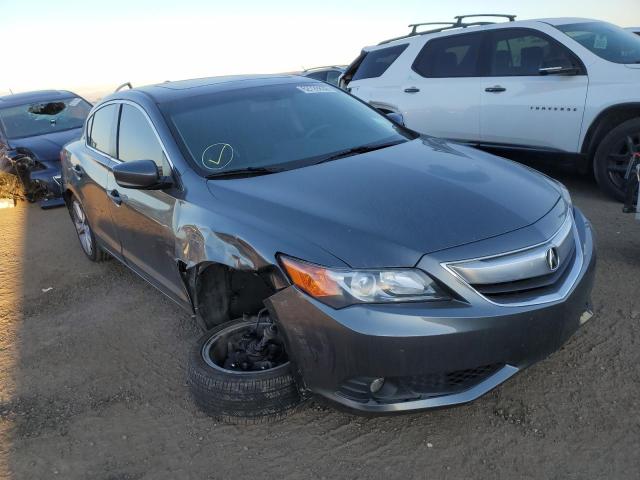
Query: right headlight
[341,287]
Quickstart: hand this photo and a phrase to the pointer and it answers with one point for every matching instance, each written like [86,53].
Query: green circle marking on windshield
[217,156]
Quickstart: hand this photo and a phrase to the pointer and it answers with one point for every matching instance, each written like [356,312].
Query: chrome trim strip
[511,267]
[559,294]
[467,396]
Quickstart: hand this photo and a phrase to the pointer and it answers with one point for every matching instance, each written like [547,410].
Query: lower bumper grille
[399,389]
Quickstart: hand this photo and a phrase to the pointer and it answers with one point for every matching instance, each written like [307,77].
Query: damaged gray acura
[326,249]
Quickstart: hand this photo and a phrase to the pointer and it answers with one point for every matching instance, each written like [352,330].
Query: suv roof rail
[459,18]
[414,26]
[450,25]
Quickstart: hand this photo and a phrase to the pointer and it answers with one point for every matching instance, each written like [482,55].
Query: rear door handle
[115,197]
[78,171]
[495,89]
[411,90]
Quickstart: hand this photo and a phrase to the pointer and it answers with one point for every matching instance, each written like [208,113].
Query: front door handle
[411,90]
[78,171]
[495,89]
[115,197]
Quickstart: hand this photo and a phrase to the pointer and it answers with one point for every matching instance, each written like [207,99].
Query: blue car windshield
[277,126]
[40,118]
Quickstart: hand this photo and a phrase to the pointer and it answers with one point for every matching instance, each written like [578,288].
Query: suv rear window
[455,56]
[377,62]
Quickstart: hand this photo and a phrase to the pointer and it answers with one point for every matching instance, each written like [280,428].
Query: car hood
[389,207]
[47,147]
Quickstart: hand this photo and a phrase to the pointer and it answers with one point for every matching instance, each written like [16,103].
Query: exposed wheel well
[605,122]
[221,293]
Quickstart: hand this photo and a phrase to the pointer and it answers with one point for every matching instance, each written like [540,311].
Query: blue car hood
[47,147]
[389,207]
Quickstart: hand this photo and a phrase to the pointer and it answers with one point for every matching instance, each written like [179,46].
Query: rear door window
[103,129]
[455,56]
[377,62]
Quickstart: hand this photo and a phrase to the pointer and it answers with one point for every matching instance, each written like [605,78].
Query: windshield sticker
[316,89]
[217,156]
[600,43]
[74,102]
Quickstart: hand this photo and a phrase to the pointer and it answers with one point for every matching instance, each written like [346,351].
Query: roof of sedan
[167,91]
[32,97]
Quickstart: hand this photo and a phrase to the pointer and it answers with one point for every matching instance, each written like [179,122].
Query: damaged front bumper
[413,356]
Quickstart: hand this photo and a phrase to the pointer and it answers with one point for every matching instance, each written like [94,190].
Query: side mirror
[139,174]
[559,71]
[396,117]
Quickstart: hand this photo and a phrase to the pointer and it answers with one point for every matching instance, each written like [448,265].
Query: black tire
[240,397]
[85,233]
[613,153]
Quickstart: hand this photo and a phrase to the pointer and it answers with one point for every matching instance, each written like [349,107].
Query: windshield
[40,118]
[605,40]
[276,126]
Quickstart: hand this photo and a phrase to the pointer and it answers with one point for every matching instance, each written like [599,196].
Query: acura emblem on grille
[553,261]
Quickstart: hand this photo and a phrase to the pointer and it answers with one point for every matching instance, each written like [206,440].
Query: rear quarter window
[455,56]
[377,62]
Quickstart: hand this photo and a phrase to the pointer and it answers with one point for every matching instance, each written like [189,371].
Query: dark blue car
[34,126]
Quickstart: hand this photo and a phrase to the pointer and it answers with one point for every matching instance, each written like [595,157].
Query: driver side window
[137,140]
[523,52]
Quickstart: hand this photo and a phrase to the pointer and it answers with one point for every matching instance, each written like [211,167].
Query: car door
[441,95]
[144,218]
[523,106]
[91,172]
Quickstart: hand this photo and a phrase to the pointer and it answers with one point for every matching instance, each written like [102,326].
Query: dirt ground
[92,383]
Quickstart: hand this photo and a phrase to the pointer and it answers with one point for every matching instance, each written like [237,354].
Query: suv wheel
[614,157]
[239,373]
[85,233]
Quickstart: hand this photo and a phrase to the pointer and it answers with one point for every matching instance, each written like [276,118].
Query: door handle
[78,171]
[411,90]
[115,197]
[496,89]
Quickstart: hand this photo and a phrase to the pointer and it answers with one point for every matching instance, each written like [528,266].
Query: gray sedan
[325,248]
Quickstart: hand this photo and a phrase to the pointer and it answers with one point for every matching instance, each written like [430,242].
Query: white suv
[568,87]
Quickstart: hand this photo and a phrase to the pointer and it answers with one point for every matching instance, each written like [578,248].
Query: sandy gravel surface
[92,384]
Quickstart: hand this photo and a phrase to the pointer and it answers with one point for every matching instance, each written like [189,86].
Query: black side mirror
[396,117]
[139,174]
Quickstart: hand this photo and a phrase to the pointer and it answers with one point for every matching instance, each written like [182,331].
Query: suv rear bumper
[336,349]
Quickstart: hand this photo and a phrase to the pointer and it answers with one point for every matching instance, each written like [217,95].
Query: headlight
[339,288]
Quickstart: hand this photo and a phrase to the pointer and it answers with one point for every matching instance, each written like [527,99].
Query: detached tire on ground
[237,396]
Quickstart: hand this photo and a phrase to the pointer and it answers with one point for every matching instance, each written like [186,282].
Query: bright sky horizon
[92,46]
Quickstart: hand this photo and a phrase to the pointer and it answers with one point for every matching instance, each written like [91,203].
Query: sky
[94,45]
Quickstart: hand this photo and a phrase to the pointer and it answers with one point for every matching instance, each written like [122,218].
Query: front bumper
[334,351]
[50,179]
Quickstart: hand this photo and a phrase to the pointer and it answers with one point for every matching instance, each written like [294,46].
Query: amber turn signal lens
[312,279]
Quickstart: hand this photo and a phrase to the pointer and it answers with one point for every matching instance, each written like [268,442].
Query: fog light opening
[376,385]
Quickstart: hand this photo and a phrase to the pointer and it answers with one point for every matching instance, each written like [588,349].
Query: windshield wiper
[243,172]
[358,150]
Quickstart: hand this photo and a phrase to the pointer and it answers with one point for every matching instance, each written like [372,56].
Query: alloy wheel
[620,159]
[82,228]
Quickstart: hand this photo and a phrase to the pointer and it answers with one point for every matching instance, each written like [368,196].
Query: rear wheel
[614,158]
[85,234]
[239,373]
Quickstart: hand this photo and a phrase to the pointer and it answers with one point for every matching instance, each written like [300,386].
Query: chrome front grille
[537,274]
